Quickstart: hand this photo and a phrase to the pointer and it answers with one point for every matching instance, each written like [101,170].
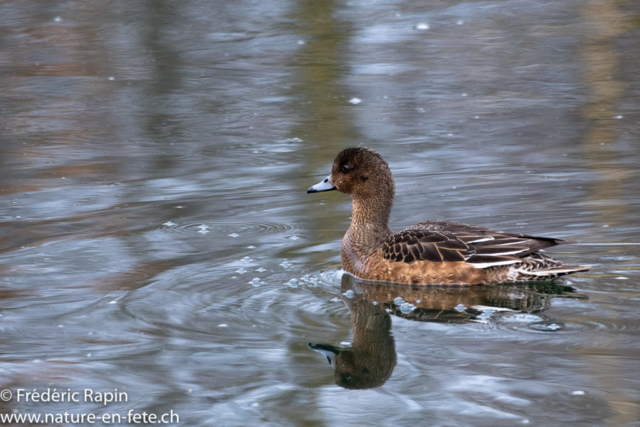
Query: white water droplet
[422,26]
[460,308]
[578,392]
[407,308]
[355,101]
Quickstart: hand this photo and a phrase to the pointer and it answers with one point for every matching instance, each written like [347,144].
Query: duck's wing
[440,241]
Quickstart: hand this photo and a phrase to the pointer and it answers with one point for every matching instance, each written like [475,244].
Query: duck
[430,252]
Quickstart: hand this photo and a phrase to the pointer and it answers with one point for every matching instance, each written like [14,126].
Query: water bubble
[578,392]
[169,224]
[422,26]
[398,301]
[300,42]
[375,303]
[464,94]
[618,117]
[293,283]
[407,308]
[622,278]
[111,78]
[294,237]
[222,325]
[355,101]
[285,264]
[261,270]
[241,270]
[251,247]
[246,259]
[550,327]
[349,294]
[460,308]
[336,299]
[460,22]
[234,235]
[57,19]
[256,282]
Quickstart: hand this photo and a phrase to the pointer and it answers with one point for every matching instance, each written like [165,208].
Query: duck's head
[360,172]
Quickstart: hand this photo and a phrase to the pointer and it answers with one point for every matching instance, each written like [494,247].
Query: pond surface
[156,237]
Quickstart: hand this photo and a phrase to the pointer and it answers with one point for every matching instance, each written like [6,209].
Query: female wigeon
[431,252]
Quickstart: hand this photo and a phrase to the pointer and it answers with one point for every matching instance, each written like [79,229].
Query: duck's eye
[346,168]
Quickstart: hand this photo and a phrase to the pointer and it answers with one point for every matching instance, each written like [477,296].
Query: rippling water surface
[156,236]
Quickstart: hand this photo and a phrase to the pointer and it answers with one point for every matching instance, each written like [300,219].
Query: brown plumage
[431,252]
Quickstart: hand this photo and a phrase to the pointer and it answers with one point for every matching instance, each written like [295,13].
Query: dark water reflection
[370,359]
[155,234]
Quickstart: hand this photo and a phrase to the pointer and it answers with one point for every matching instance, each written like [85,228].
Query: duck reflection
[371,358]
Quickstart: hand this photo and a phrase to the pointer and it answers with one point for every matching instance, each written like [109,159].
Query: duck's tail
[539,266]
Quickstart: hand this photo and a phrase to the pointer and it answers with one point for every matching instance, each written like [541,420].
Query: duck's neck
[369,227]
[372,214]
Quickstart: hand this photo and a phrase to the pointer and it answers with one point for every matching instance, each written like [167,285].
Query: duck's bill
[324,185]
[328,351]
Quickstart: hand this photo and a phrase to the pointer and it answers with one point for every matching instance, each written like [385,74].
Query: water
[157,238]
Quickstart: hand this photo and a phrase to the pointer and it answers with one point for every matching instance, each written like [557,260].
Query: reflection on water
[370,359]
[156,237]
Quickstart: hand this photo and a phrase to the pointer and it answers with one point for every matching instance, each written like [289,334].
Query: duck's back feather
[441,241]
